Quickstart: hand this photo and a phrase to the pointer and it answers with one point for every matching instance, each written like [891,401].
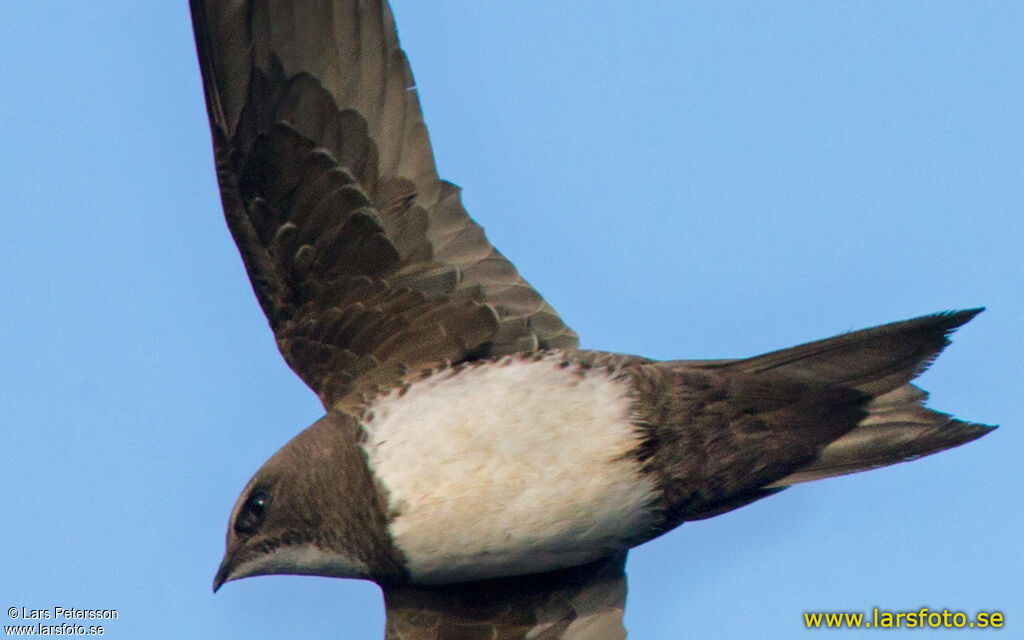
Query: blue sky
[678,179]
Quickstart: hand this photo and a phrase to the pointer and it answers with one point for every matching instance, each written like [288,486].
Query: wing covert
[581,603]
[364,261]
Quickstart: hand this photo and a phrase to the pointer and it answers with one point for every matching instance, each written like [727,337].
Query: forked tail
[881,362]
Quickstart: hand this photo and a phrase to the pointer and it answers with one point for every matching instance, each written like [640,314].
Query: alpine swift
[488,474]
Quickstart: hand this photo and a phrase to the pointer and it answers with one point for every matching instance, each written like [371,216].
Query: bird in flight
[488,474]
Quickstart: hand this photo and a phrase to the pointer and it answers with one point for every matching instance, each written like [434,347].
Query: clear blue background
[678,179]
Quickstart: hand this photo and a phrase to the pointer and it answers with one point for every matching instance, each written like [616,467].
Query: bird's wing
[581,603]
[364,260]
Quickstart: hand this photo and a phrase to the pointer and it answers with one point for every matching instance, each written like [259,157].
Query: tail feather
[898,428]
[874,361]
[879,362]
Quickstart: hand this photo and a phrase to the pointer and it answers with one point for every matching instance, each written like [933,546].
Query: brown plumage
[364,261]
[723,434]
[580,602]
[370,272]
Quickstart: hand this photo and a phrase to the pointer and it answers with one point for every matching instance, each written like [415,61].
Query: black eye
[251,515]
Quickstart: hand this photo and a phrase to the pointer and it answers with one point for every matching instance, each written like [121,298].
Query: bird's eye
[250,517]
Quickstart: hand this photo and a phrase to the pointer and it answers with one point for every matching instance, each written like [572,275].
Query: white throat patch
[508,468]
[302,560]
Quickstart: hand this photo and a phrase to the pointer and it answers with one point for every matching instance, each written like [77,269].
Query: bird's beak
[222,575]
[227,565]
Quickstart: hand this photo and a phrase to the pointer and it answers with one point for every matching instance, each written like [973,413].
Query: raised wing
[364,261]
[581,603]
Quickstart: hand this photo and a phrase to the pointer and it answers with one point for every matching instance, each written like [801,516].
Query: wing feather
[364,261]
[580,603]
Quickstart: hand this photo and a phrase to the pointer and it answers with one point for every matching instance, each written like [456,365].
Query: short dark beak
[220,578]
[226,565]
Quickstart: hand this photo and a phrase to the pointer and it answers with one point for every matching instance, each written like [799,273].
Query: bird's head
[313,508]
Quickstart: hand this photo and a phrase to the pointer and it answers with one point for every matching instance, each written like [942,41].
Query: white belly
[508,468]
